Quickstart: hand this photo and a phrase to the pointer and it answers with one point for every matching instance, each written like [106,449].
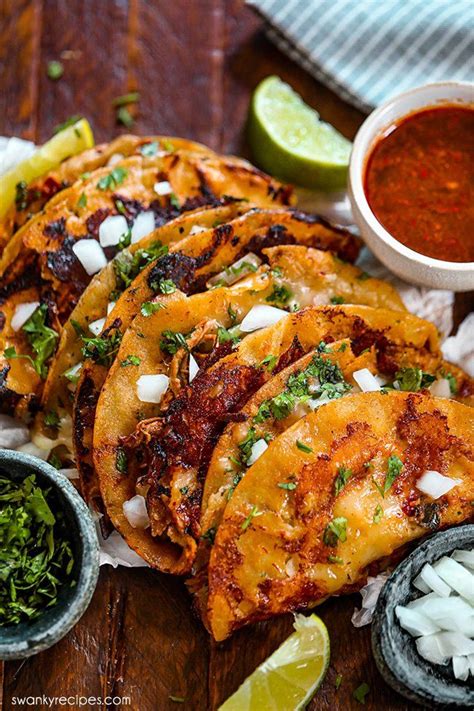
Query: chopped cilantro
[335,531]
[127,267]
[338,681]
[224,335]
[184,490]
[36,551]
[253,514]
[55,70]
[124,117]
[269,362]
[131,98]
[279,295]
[68,122]
[303,447]
[342,347]
[172,341]
[121,461]
[174,201]
[51,419]
[337,300]
[102,349]
[335,559]
[378,514]
[453,386]
[394,467]
[288,485]
[343,476]
[130,360]
[363,276]
[41,338]
[113,179]
[55,460]
[361,692]
[21,195]
[82,202]
[232,314]
[150,307]
[209,535]
[167,286]
[413,379]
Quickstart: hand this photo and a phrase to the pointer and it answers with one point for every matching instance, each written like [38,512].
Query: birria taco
[333,498]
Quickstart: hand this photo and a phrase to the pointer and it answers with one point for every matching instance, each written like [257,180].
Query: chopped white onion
[115,158]
[143,224]
[434,582]
[415,622]
[261,316]
[429,648]
[163,188]
[461,668]
[441,388]
[151,388]
[434,484]
[135,512]
[90,254]
[421,585]
[13,433]
[257,450]
[241,268]
[73,371]
[112,229]
[23,313]
[437,608]
[196,229]
[193,368]
[366,381]
[464,557]
[96,326]
[471,663]
[457,577]
[110,307]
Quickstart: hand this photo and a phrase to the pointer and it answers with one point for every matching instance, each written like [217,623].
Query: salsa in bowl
[411,185]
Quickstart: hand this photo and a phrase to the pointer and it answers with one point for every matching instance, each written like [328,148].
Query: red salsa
[419,182]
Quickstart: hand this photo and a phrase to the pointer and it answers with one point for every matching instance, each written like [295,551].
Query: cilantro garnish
[149,149]
[127,267]
[150,307]
[55,70]
[335,531]
[337,300]
[343,476]
[335,559]
[394,467]
[82,202]
[167,286]
[253,514]
[269,362]
[51,419]
[132,98]
[36,556]
[413,379]
[124,117]
[279,295]
[102,349]
[68,122]
[130,360]
[209,535]
[41,338]
[378,514]
[172,341]
[121,461]
[21,195]
[113,179]
[288,485]
[361,692]
[303,447]
[224,335]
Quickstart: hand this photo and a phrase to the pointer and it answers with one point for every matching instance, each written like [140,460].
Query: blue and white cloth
[369,50]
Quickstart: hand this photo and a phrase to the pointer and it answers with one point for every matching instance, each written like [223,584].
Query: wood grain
[195,65]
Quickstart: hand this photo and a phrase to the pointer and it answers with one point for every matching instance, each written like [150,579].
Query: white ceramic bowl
[403,261]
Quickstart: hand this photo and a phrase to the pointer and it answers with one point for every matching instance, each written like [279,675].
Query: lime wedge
[68,142]
[288,679]
[289,141]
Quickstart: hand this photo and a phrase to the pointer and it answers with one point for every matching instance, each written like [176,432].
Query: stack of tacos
[244,405]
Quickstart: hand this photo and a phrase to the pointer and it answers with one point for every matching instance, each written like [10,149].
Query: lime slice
[288,679]
[289,140]
[68,142]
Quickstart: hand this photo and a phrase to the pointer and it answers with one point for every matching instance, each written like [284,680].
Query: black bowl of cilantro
[49,555]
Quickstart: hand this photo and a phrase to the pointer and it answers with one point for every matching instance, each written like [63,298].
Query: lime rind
[288,679]
[289,140]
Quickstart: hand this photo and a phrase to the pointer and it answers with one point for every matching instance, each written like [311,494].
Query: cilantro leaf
[335,531]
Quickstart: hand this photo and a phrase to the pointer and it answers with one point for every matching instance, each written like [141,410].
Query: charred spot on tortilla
[65,266]
[176,267]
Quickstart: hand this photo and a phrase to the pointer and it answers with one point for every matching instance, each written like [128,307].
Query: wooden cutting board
[195,65]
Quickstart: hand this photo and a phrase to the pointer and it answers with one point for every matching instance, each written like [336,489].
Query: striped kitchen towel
[369,50]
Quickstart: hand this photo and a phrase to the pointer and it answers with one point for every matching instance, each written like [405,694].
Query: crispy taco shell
[33,198]
[40,256]
[283,548]
[231,380]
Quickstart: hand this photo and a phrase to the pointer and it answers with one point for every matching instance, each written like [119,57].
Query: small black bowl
[394,648]
[27,638]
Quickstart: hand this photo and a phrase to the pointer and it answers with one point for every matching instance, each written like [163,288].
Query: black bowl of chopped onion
[423,625]
[49,555]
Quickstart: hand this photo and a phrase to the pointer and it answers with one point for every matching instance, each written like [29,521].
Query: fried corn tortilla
[306,524]
[326,275]
[180,441]
[40,257]
[220,236]
[32,198]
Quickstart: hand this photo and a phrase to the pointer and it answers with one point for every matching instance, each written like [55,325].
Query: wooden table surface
[194,64]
